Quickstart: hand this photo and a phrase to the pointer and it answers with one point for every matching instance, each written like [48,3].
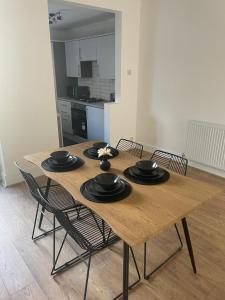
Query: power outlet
[131,138]
[129,72]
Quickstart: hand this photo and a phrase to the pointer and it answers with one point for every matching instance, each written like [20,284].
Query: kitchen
[83,54]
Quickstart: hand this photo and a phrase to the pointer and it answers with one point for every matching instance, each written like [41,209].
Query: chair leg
[35,238]
[147,276]
[188,241]
[41,217]
[138,273]
[35,221]
[55,259]
[46,196]
[87,276]
[178,234]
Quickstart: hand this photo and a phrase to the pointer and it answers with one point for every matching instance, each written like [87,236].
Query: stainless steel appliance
[72,91]
[79,120]
[83,92]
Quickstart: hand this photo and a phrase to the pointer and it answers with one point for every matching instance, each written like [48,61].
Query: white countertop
[99,104]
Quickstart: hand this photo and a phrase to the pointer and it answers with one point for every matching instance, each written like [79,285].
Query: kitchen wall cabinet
[64,109]
[100,49]
[72,58]
[95,123]
[106,56]
[88,49]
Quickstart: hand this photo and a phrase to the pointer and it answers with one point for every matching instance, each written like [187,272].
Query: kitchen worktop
[98,104]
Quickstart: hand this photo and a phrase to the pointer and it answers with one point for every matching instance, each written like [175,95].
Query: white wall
[96,28]
[182,69]
[27,107]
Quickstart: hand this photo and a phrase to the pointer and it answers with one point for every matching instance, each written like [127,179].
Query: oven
[79,120]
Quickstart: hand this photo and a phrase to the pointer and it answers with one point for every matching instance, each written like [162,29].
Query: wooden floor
[25,265]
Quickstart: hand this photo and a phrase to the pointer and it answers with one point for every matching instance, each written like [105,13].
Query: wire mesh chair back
[133,148]
[171,161]
[32,185]
[65,222]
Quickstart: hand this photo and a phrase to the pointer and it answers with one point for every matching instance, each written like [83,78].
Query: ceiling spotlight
[59,16]
[54,17]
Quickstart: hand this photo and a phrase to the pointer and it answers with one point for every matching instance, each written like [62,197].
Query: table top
[148,210]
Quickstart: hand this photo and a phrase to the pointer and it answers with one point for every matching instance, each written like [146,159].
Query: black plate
[93,154]
[126,192]
[100,145]
[153,176]
[141,174]
[77,164]
[93,188]
[163,176]
[70,161]
[100,189]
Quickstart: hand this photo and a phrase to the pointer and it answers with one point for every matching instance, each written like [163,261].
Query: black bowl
[100,145]
[147,166]
[93,150]
[60,156]
[107,181]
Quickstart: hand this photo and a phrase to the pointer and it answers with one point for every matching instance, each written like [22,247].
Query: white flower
[104,152]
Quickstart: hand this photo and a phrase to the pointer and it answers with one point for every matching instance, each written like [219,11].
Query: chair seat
[94,229]
[59,198]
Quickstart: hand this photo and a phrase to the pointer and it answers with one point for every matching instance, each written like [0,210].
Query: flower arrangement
[104,152]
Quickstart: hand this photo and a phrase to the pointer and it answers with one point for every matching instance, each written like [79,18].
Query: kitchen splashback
[99,88]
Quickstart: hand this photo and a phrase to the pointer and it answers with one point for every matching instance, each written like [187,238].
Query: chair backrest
[69,227]
[133,148]
[32,185]
[171,161]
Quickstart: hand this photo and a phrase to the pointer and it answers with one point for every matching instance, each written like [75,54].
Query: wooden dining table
[146,212]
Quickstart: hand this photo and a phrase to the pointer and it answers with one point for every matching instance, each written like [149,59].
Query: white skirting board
[15,177]
[151,148]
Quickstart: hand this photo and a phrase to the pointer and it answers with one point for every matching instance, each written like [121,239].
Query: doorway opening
[84,62]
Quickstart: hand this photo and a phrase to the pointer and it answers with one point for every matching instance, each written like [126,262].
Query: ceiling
[75,15]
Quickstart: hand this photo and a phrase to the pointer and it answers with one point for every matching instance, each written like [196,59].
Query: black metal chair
[55,195]
[90,233]
[171,161]
[131,147]
[176,164]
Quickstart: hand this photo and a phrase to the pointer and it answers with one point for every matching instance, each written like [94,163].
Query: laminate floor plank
[13,270]
[29,292]
[4,295]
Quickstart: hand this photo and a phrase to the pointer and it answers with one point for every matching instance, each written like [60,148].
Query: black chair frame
[132,147]
[33,187]
[104,231]
[108,238]
[35,191]
[179,165]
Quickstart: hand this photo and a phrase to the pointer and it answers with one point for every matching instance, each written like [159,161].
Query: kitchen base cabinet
[95,123]
[64,109]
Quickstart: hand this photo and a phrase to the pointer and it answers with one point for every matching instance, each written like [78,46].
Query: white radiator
[206,144]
